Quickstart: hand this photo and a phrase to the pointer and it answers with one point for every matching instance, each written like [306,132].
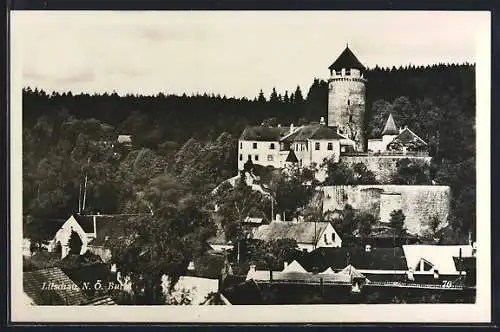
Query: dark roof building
[347,60]
[52,286]
[262,133]
[338,258]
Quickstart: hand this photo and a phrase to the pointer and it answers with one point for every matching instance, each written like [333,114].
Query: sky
[232,53]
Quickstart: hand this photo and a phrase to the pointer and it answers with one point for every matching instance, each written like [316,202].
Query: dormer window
[424,265]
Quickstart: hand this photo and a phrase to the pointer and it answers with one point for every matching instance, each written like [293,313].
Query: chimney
[285,265]
[291,127]
[252,268]
[368,248]
[322,121]
[278,217]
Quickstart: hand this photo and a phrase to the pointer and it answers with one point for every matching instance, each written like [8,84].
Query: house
[302,146]
[397,141]
[193,290]
[435,260]
[309,235]
[84,226]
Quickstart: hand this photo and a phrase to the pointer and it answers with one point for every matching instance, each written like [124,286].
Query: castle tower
[346,97]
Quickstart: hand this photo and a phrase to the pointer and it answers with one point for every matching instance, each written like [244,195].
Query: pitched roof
[86,222]
[406,136]
[64,292]
[390,127]
[314,131]
[352,272]
[292,158]
[339,258]
[294,267]
[347,60]
[262,133]
[302,232]
[465,263]
[441,256]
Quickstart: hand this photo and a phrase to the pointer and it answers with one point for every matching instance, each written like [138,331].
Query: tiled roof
[64,292]
[302,232]
[106,300]
[339,258]
[262,133]
[314,131]
[407,137]
[390,126]
[465,263]
[347,60]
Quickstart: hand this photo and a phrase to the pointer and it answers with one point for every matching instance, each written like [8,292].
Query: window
[338,72]
[256,157]
[330,146]
[241,157]
[348,102]
[333,237]
[254,145]
[316,146]
[326,239]
[270,157]
[271,146]
[347,72]
[249,157]
[241,145]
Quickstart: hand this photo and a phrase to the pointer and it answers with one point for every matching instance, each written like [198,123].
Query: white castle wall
[418,203]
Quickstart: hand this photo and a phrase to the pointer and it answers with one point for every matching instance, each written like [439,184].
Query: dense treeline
[67,137]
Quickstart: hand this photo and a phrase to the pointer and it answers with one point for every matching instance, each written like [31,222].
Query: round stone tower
[346,97]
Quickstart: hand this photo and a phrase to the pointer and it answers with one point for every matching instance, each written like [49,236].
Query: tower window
[330,146]
[241,157]
[256,157]
[316,146]
[254,145]
[348,102]
[271,146]
[241,145]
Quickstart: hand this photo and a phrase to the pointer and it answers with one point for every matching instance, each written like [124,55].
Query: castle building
[346,97]
[342,136]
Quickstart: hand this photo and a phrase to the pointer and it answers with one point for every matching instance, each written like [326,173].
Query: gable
[407,138]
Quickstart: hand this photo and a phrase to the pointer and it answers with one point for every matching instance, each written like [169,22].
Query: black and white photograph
[250,165]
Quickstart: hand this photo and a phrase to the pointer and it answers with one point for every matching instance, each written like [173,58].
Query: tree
[162,243]
[235,205]
[340,173]
[365,221]
[397,223]
[74,243]
[412,172]
[292,189]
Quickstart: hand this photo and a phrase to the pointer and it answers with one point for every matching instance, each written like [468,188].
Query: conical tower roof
[347,60]
[390,126]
